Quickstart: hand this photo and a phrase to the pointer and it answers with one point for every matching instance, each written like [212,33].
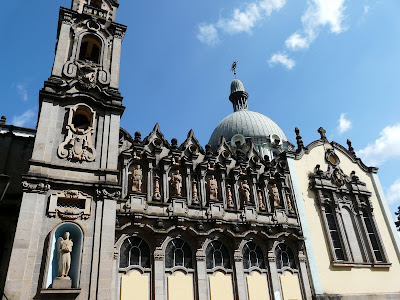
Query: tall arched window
[90,49]
[180,281]
[284,257]
[338,251]
[135,269]
[217,255]
[134,252]
[178,254]
[257,279]
[288,272]
[374,242]
[253,256]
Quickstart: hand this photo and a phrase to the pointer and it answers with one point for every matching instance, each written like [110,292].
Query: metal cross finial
[233,68]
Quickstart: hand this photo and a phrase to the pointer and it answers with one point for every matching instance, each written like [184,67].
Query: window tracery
[284,257]
[253,256]
[134,252]
[217,255]
[178,254]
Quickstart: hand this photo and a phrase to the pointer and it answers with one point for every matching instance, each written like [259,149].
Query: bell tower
[72,185]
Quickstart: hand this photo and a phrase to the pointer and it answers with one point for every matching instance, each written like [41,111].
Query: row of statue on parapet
[212,188]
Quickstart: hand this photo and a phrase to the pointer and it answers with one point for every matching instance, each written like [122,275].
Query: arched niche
[90,49]
[76,235]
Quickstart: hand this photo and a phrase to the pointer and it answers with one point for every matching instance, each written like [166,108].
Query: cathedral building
[89,211]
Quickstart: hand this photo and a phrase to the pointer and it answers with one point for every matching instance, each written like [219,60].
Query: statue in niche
[212,188]
[260,198]
[274,194]
[229,196]
[288,200]
[176,182]
[195,196]
[137,177]
[157,194]
[245,191]
[64,249]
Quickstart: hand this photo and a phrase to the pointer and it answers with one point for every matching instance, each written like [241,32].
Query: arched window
[284,257]
[217,255]
[90,49]
[253,256]
[178,254]
[376,249]
[96,3]
[334,234]
[134,252]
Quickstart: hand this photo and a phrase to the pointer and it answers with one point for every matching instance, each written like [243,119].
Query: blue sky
[330,63]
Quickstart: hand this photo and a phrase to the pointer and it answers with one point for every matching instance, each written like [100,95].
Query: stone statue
[176,182]
[229,196]
[245,191]
[212,188]
[261,202]
[274,194]
[64,249]
[157,194]
[288,200]
[137,177]
[195,196]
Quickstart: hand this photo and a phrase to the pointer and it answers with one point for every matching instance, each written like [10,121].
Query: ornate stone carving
[245,191]
[229,197]
[260,198]
[70,205]
[274,194]
[64,249]
[157,194]
[107,195]
[137,177]
[87,73]
[212,186]
[176,182]
[195,196]
[288,200]
[41,188]
[78,142]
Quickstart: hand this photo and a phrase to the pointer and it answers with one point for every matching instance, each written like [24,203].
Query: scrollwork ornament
[41,188]
[104,194]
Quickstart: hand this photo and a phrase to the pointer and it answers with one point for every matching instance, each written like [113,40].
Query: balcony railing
[96,12]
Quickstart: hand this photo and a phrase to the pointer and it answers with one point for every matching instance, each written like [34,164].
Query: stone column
[165,183]
[150,184]
[159,273]
[239,275]
[98,214]
[116,58]
[202,285]
[223,190]
[276,287]
[304,276]
[26,258]
[203,194]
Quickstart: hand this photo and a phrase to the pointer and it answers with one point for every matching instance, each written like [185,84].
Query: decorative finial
[351,149]
[300,144]
[233,68]
[322,132]
[3,120]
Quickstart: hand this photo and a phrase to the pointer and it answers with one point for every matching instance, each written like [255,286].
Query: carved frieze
[41,188]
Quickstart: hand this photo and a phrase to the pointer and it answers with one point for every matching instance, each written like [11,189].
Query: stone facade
[245,218]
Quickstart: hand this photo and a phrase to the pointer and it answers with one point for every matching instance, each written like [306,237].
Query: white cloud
[283,59]
[23,119]
[319,13]
[242,20]
[393,193]
[344,124]
[296,42]
[22,92]
[384,148]
[366,9]
[208,34]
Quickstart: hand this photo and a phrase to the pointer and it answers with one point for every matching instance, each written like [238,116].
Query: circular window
[332,158]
